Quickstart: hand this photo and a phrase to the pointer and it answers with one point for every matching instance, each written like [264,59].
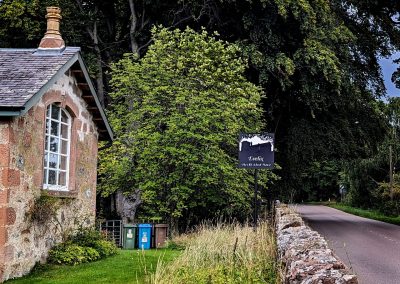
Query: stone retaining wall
[305,254]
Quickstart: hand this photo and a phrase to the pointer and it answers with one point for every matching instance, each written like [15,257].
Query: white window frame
[46,164]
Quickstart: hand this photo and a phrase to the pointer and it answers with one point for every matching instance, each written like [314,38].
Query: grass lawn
[128,266]
[371,214]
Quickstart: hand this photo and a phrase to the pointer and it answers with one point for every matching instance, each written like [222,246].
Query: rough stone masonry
[306,255]
[36,211]
[24,242]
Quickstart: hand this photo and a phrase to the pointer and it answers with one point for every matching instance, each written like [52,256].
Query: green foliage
[72,254]
[44,208]
[84,246]
[16,16]
[105,248]
[311,58]
[86,237]
[382,197]
[368,179]
[89,237]
[177,113]
[371,214]
[171,244]
[321,180]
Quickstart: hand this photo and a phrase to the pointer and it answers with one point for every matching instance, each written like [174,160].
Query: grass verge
[370,214]
[223,254]
[128,266]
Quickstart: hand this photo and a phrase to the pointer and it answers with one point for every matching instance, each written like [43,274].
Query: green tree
[317,62]
[368,178]
[177,113]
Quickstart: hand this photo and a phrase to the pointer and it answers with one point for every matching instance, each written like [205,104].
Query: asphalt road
[370,248]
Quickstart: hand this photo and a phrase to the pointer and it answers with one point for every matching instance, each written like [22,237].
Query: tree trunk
[99,75]
[173,225]
[94,36]
[127,205]
[391,172]
[132,32]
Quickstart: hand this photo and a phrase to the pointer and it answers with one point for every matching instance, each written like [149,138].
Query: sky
[388,67]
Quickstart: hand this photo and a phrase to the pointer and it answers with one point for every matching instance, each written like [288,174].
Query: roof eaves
[96,99]
[10,111]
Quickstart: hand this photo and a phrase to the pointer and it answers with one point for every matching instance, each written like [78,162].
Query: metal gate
[113,230]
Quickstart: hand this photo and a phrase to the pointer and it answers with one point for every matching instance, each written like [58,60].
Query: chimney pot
[52,38]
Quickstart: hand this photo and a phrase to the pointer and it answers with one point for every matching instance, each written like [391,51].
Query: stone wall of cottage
[23,241]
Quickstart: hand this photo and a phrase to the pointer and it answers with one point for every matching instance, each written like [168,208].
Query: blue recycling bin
[144,236]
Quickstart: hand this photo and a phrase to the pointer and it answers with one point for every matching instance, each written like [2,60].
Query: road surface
[370,248]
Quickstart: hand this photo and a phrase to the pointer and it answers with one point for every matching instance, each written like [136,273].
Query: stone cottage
[50,123]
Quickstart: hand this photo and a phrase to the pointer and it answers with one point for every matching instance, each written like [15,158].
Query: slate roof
[23,73]
[26,74]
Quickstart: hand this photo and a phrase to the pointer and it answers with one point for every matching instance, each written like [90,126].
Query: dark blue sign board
[256,151]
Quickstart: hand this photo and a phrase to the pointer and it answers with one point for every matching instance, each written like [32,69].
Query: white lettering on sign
[261,165]
[256,159]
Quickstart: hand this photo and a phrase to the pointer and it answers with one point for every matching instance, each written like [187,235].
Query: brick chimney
[52,39]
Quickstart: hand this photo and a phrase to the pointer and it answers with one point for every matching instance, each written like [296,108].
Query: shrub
[86,237]
[72,254]
[105,248]
[170,244]
[91,254]
[86,245]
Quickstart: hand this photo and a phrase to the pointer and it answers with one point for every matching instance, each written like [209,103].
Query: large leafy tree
[177,113]
[317,61]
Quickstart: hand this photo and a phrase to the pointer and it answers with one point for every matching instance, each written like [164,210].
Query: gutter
[11,111]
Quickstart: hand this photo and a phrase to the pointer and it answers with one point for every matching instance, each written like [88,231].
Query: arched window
[57,144]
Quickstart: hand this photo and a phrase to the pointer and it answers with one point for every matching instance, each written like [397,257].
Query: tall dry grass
[223,254]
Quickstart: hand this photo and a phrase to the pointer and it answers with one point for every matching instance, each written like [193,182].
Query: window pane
[64,117]
[64,147]
[52,177]
[64,131]
[45,176]
[55,110]
[63,164]
[45,159]
[58,127]
[62,178]
[54,142]
[53,161]
[46,143]
[54,128]
[47,126]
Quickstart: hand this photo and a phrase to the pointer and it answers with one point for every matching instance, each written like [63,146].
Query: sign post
[256,151]
[255,198]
